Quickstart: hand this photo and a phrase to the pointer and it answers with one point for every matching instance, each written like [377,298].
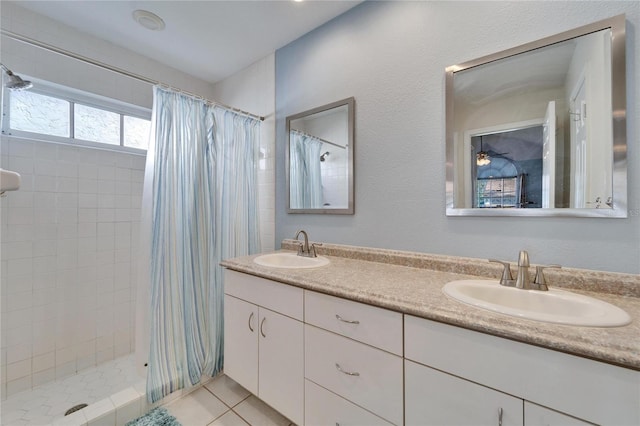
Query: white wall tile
[19,353]
[18,385]
[44,362]
[45,184]
[22,165]
[18,370]
[66,262]
[41,377]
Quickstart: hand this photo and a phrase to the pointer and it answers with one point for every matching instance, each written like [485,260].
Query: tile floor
[223,402]
[220,402]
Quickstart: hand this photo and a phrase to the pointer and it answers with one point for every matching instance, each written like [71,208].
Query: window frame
[74,96]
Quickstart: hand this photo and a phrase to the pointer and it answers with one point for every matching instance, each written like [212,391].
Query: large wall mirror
[540,129]
[320,159]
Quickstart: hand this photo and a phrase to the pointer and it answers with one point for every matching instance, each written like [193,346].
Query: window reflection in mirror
[547,109]
[320,159]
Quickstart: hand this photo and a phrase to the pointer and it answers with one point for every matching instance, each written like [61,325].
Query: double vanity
[369,337]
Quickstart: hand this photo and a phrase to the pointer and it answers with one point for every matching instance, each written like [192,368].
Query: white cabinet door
[241,342]
[436,398]
[535,415]
[281,367]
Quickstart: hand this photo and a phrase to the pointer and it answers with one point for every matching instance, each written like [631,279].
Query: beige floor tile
[257,413]
[229,419]
[199,408]
[227,390]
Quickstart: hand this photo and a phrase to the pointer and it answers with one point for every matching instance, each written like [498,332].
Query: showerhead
[323,156]
[15,82]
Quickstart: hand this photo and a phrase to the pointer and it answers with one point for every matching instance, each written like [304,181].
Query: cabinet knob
[249,322]
[339,318]
[348,373]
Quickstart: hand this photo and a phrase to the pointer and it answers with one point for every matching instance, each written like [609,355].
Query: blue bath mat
[157,417]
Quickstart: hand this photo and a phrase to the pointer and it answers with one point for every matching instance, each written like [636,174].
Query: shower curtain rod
[139,77]
[320,139]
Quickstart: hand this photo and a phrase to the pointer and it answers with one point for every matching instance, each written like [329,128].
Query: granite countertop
[418,291]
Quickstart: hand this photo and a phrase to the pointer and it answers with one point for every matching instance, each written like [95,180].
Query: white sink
[555,306]
[290,261]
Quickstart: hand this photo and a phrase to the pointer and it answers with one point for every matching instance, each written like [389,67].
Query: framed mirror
[320,159]
[540,129]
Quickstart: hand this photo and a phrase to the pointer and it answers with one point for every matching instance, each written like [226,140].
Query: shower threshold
[105,388]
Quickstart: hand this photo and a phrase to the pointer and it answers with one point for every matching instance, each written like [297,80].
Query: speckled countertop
[412,283]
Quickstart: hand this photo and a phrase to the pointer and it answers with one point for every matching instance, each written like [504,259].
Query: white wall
[253,90]
[391,57]
[70,234]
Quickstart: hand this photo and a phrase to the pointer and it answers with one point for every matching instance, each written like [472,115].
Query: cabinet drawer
[368,324]
[324,408]
[583,388]
[282,298]
[436,398]
[537,415]
[375,379]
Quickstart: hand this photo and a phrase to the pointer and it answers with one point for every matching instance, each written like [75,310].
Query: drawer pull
[347,321]
[261,325]
[348,373]
[249,323]
[499,416]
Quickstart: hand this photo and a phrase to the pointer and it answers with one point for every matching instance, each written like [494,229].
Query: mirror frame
[350,103]
[617,25]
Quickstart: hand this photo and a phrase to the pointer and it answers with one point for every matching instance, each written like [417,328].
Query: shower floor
[46,404]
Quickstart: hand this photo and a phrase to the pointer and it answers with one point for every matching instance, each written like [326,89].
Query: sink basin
[290,261]
[555,306]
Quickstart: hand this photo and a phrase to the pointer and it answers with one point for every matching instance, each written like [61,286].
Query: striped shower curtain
[305,183]
[204,209]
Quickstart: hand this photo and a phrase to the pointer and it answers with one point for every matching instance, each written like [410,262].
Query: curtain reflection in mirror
[305,172]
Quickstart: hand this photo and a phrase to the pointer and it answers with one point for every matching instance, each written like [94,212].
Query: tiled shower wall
[69,242]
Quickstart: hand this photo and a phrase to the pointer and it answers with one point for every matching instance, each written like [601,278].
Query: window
[33,112]
[499,192]
[64,114]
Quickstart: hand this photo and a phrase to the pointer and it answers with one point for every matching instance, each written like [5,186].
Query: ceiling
[210,40]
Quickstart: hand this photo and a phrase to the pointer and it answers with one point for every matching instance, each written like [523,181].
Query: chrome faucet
[303,248]
[523,280]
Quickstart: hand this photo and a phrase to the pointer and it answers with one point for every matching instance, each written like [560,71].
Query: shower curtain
[204,209]
[304,164]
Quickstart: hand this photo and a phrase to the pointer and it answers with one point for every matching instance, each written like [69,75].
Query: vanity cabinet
[485,365]
[325,360]
[264,341]
[353,362]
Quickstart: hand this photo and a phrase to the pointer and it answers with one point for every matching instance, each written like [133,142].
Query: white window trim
[75,96]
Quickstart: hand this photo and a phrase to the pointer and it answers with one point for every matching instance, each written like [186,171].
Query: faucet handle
[539,279]
[313,246]
[506,272]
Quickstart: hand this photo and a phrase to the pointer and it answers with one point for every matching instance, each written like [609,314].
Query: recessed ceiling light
[149,20]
